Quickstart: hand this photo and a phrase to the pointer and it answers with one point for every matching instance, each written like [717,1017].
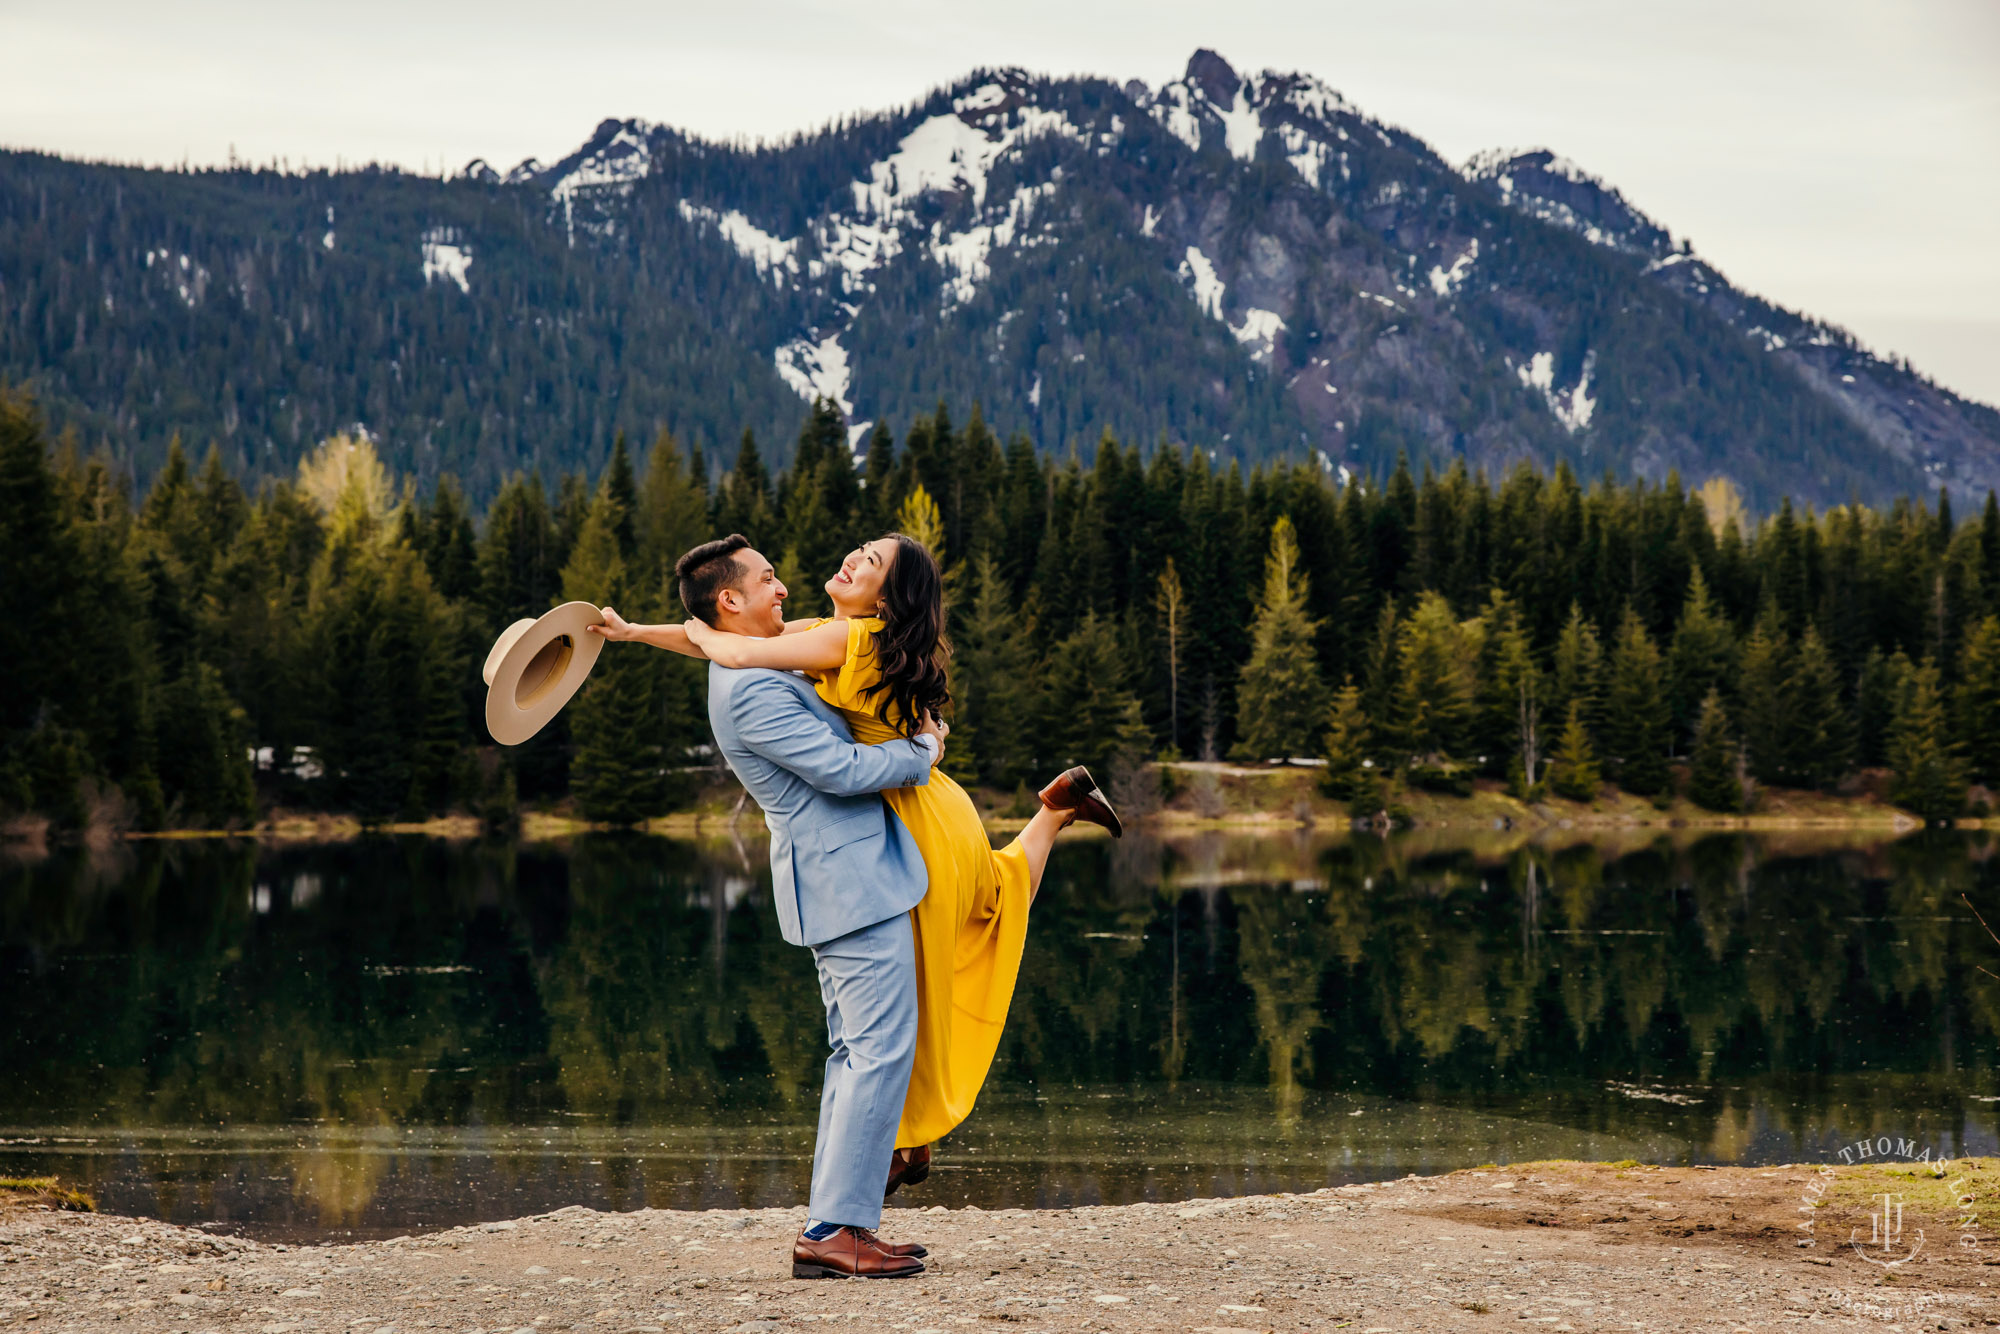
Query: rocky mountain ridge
[1247,265]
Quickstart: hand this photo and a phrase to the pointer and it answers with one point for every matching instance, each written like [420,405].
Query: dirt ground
[1556,1246]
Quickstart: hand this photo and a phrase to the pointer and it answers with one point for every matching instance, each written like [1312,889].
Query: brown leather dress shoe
[907,1171]
[850,1252]
[915,1249]
[1075,791]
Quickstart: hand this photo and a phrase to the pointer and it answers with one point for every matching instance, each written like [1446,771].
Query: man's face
[756,605]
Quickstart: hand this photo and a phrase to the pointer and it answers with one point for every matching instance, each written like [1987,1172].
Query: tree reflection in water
[401,1031]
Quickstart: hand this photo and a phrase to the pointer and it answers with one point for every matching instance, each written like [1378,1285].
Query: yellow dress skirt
[970,927]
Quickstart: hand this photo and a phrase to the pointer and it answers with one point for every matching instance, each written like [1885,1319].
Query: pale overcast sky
[1837,156]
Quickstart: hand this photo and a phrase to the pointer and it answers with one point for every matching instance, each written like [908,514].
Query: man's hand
[935,726]
[615,626]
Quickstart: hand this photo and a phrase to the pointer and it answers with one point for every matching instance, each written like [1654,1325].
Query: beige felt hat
[535,666]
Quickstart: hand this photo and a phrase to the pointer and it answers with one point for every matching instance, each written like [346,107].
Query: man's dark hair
[706,571]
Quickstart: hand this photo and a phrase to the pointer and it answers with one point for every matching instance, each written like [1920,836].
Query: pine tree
[1976,699]
[1929,773]
[1348,755]
[918,518]
[1099,716]
[1700,658]
[1170,601]
[1573,767]
[1821,741]
[519,574]
[201,737]
[1578,669]
[1767,707]
[744,503]
[1712,782]
[992,676]
[1437,659]
[1281,701]
[1506,672]
[1635,710]
[618,773]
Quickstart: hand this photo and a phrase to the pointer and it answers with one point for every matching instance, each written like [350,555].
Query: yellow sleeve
[862,671]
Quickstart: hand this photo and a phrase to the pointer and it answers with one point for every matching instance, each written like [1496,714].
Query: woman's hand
[615,627]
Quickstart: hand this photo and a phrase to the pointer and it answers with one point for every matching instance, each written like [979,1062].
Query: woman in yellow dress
[880,660]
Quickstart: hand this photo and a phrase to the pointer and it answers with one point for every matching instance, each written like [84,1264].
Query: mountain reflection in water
[366,1038]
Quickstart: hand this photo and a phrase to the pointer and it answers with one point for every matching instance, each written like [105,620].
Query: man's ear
[729,600]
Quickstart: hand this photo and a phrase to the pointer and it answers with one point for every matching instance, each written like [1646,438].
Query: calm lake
[370,1038]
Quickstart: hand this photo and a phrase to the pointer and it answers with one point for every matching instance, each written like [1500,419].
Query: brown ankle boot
[1075,792]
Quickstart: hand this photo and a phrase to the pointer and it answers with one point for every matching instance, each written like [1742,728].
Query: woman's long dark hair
[911,646]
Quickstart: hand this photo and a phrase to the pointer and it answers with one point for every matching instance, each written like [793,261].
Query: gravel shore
[1549,1246]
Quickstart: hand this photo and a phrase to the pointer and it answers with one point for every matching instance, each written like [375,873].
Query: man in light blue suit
[844,874]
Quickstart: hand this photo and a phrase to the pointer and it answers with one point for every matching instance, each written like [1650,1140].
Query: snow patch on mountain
[950,153]
[616,156]
[1242,126]
[815,369]
[773,257]
[1259,332]
[446,256]
[1574,406]
[1198,270]
[1174,108]
[1445,281]
[964,254]
[1309,156]
[1556,190]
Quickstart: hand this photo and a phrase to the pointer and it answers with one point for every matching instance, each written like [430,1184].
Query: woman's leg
[1036,840]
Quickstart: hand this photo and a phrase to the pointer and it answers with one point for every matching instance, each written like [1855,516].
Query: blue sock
[818,1231]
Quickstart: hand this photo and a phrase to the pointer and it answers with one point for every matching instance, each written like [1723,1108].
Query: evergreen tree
[1700,658]
[1170,602]
[1348,755]
[1821,741]
[1573,767]
[1098,717]
[1635,710]
[1929,773]
[919,518]
[1282,699]
[1435,680]
[201,735]
[1767,707]
[1712,782]
[1577,675]
[992,683]
[519,572]
[1976,698]
[618,773]
[744,503]
[1506,674]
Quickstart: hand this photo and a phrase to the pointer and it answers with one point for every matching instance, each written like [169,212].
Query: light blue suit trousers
[868,979]
[844,875]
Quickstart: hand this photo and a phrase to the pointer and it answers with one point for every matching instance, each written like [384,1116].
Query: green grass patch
[1922,1187]
[46,1192]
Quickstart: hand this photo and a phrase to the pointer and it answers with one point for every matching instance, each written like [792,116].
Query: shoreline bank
[1192,798]
[1561,1244]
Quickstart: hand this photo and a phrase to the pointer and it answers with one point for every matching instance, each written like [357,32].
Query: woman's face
[857,588]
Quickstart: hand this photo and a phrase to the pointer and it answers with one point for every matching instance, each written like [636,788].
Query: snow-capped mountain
[1249,265]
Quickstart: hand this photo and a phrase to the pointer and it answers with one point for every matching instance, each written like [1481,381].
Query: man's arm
[776,725]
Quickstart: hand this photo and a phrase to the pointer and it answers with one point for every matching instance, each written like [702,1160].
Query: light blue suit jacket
[840,859]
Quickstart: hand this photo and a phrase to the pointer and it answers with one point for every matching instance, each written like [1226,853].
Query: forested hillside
[1251,268]
[1422,629]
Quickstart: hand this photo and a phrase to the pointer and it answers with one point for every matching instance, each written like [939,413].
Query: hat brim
[541,671]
